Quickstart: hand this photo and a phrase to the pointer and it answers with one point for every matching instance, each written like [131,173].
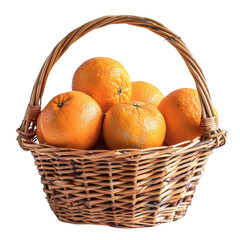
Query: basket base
[130,220]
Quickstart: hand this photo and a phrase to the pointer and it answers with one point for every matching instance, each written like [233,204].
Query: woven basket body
[126,187]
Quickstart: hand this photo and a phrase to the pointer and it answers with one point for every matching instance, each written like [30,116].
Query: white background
[29,31]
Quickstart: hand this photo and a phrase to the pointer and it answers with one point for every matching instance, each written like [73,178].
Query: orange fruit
[72,119]
[39,129]
[182,112]
[147,93]
[133,125]
[105,80]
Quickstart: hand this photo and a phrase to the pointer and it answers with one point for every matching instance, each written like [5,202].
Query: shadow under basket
[125,187]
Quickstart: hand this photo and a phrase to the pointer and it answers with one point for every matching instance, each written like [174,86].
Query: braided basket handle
[208,120]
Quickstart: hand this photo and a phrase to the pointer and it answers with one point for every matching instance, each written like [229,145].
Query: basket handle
[208,120]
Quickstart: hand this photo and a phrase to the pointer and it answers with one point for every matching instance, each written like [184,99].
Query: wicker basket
[128,187]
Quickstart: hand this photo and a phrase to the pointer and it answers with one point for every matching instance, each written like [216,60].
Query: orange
[72,119]
[182,112]
[39,129]
[147,93]
[105,80]
[133,125]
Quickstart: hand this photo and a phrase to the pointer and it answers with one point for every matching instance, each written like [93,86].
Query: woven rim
[208,121]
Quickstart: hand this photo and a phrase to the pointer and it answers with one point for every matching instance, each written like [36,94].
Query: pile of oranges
[105,110]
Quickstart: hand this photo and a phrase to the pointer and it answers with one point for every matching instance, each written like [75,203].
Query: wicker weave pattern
[127,187]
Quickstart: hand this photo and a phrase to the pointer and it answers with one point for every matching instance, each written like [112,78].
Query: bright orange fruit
[147,93]
[133,125]
[39,129]
[73,120]
[182,112]
[105,80]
